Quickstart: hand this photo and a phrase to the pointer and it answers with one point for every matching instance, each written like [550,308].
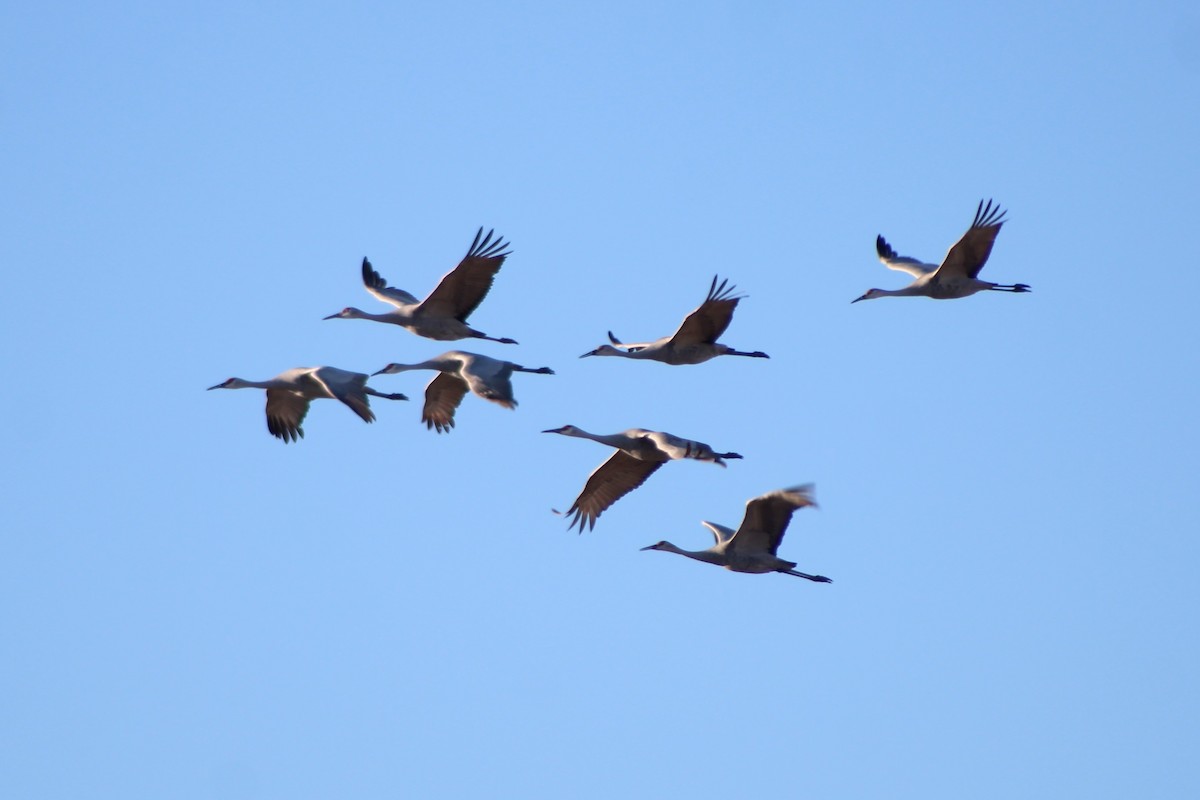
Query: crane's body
[461,372]
[696,339]
[753,546]
[443,314]
[640,453]
[290,392]
[958,274]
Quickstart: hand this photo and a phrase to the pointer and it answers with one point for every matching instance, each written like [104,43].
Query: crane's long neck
[272,383]
[912,290]
[616,440]
[439,364]
[640,352]
[707,556]
[396,316]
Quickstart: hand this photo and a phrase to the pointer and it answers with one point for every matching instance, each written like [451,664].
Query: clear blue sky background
[192,609]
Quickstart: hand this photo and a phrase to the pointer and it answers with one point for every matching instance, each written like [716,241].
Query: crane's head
[604,350]
[566,430]
[231,383]
[346,313]
[870,295]
[664,545]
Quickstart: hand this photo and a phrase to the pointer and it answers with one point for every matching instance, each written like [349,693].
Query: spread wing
[902,263]
[720,532]
[612,480]
[347,387]
[967,257]
[378,287]
[285,412]
[494,385]
[710,320]
[767,518]
[442,396]
[462,289]
[676,447]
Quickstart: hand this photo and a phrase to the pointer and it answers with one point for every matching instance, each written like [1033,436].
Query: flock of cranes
[753,547]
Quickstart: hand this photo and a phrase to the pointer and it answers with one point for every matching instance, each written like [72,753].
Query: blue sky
[192,609]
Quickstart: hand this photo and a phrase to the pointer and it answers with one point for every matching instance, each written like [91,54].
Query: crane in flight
[958,275]
[696,340]
[289,393]
[461,372]
[753,546]
[443,314]
[639,454]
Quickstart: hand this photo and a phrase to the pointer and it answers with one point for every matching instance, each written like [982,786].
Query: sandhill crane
[752,547]
[958,274]
[486,377]
[639,453]
[289,393]
[696,340]
[443,314]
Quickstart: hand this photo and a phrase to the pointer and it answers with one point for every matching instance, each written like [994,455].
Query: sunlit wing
[675,446]
[710,320]
[493,384]
[347,387]
[462,289]
[612,480]
[967,257]
[720,532]
[901,263]
[767,518]
[378,287]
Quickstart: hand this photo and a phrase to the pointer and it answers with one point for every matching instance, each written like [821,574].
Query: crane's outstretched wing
[285,412]
[495,385]
[767,518]
[462,289]
[442,397]
[967,257]
[710,320]
[347,387]
[378,287]
[612,480]
[676,447]
[902,263]
[720,532]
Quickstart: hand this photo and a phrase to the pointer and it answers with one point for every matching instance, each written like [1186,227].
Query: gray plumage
[443,314]
[289,393]
[640,453]
[461,372]
[958,274]
[696,340]
[753,546]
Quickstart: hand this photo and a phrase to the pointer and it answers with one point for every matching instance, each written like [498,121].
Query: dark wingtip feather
[883,248]
[488,248]
[988,215]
